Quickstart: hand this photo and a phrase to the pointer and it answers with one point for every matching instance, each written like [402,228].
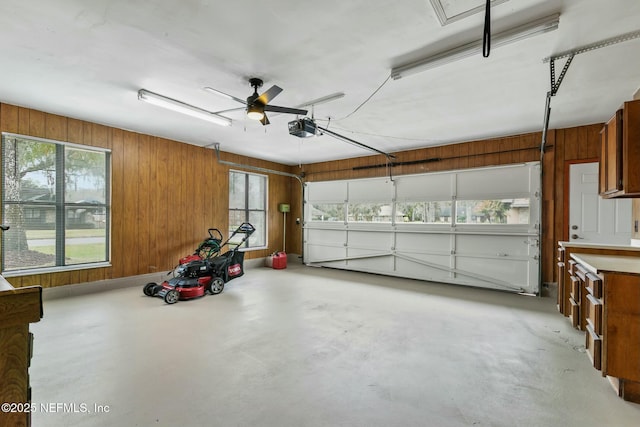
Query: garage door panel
[322,253]
[421,242]
[439,271]
[371,190]
[328,191]
[513,272]
[326,237]
[492,245]
[432,187]
[376,264]
[375,240]
[489,183]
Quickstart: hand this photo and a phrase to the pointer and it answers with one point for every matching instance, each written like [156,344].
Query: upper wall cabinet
[620,153]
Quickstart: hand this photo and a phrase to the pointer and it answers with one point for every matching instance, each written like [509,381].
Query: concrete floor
[317,347]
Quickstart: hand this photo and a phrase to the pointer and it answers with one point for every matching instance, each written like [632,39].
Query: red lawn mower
[206,270]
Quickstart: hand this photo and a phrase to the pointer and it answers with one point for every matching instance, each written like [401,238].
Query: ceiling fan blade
[288,110]
[269,95]
[265,121]
[224,95]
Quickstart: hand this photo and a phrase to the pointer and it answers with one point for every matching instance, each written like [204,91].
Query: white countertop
[599,245]
[609,263]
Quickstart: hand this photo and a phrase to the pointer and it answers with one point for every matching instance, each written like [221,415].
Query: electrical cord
[365,101]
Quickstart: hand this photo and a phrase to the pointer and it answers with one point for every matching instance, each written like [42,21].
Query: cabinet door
[602,166]
[613,159]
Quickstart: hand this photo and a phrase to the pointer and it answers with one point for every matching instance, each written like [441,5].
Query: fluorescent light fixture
[217,92]
[322,100]
[539,26]
[181,107]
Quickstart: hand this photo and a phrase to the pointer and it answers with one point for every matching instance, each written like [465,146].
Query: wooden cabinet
[18,308]
[620,153]
[561,268]
[609,307]
[611,156]
[566,266]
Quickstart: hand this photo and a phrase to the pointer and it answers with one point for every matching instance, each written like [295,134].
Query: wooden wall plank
[55,127]
[23,121]
[9,118]
[163,221]
[117,203]
[131,201]
[144,188]
[37,124]
[75,132]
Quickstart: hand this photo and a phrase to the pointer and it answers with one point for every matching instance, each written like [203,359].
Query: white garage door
[475,227]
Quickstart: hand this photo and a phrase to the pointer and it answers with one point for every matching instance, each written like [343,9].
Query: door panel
[593,219]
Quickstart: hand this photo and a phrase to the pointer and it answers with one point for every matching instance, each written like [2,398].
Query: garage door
[474,227]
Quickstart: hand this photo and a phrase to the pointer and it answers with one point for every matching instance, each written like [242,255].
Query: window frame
[61,207]
[247,211]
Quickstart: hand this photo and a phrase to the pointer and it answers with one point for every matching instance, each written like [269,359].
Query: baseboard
[101,285]
[125,282]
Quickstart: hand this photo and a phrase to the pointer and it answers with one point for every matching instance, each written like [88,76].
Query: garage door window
[502,211]
[369,212]
[327,212]
[424,212]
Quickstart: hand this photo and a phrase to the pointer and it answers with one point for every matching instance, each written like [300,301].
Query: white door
[593,219]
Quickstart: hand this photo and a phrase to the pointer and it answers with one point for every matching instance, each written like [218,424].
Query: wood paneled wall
[165,195]
[563,146]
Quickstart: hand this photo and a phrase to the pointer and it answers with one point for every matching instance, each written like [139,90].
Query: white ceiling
[88,59]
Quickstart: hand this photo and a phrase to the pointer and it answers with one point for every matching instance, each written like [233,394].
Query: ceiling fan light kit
[539,26]
[254,112]
[181,107]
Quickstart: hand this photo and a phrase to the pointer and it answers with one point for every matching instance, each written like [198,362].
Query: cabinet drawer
[572,267]
[561,254]
[575,288]
[581,272]
[574,313]
[594,347]
[593,313]
[594,285]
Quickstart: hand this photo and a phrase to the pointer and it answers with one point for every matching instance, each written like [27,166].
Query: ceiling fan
[257,105]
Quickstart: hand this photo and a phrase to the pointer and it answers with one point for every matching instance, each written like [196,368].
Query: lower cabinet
[605,303]
[18,308]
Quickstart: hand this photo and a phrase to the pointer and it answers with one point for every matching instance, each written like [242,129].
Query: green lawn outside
[76,254]
[51,234]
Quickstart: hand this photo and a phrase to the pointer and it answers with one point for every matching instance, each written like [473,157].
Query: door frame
[567,188]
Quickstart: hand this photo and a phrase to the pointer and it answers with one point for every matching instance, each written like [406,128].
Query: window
[424,212]
[369,212]
[55,198]
[327,212]
[504,211]
[248,203]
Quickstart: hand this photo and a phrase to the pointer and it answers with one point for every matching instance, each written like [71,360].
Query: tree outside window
[56,201]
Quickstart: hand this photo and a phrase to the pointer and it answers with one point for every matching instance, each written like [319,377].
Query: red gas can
[279,260]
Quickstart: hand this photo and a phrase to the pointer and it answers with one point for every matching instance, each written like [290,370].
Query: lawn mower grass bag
[229,265]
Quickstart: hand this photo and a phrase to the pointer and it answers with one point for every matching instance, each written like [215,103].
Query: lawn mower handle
[246,227]
[219,236]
